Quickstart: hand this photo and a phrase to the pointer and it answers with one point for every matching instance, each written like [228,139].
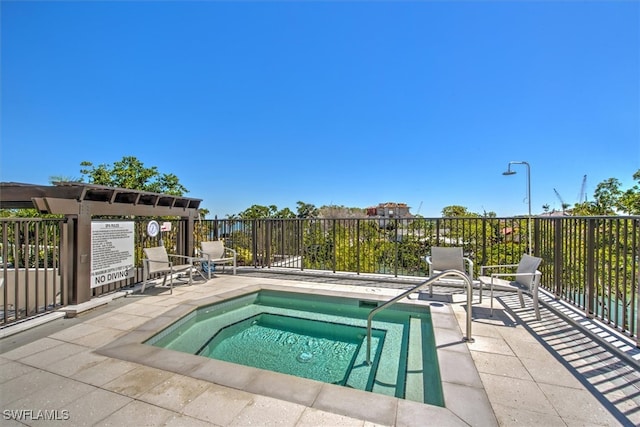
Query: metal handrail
[416,288]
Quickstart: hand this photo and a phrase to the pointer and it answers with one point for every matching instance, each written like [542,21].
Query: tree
[285,213]
[609,199]
[606,196]
[306,210]
[629,201]
[456,211]
[259,212]
[131,173]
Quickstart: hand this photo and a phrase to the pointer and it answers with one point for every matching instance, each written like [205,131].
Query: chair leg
[521,299]
[491,298]
[536,306]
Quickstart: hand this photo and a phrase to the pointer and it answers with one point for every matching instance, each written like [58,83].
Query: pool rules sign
[112,247]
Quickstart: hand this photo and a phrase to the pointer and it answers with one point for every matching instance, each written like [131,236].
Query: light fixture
[510,172]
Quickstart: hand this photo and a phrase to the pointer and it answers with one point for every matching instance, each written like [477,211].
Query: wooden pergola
[80,202]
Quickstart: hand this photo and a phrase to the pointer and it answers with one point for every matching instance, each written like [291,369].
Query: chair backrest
[215,248]
[158,253]
[528,264]
[447,258]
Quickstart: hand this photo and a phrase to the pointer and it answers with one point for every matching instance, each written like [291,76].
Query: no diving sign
[112,251]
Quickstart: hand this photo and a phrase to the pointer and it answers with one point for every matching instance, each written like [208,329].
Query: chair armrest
[429,264]
[169,263]
[537,273]
[231,250]
[487,267]
[180,256]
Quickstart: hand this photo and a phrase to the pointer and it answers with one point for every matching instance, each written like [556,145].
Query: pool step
[390,374]
[415,368]
[423,373]
[361,374]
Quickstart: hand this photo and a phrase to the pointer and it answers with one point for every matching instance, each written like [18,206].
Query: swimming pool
[318,337]
[464,395]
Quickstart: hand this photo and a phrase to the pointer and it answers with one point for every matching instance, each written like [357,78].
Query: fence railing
[30,268]
[590,262]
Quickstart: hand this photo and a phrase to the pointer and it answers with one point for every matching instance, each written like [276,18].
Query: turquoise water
[317,337]
[291,345]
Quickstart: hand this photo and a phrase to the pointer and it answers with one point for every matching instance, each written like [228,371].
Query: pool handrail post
[435,278]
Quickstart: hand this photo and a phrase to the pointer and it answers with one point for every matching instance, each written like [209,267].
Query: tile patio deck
[533,373]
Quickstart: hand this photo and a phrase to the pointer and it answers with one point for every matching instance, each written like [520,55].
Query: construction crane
[563,204]
[582,197]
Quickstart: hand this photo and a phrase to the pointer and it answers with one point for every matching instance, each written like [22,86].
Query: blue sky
[344,103]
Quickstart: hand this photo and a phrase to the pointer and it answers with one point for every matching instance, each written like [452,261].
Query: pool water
[317,337]
[291,345]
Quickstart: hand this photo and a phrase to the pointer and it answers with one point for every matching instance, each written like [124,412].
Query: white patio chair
[449,258]
[215,253]
[157,261]
[526,278]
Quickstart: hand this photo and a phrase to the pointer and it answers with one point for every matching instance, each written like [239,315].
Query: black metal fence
[590,262]
[31,267]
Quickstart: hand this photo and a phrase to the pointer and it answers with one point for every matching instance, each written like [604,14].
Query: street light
[510,172]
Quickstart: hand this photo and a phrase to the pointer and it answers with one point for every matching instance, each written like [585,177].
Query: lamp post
[510,172]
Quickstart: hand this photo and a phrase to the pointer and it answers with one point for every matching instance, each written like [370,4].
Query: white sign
[112,251]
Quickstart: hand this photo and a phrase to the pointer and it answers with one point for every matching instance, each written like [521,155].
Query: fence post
[267,242]
[81,283]
[358,246]
[590,268]
[302,249]
[283,248]
[483,259]
[558,261]
[254,243]
[397,245]
[333,234]
[65,267]
[536,236]
[636,228]
[5,260]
